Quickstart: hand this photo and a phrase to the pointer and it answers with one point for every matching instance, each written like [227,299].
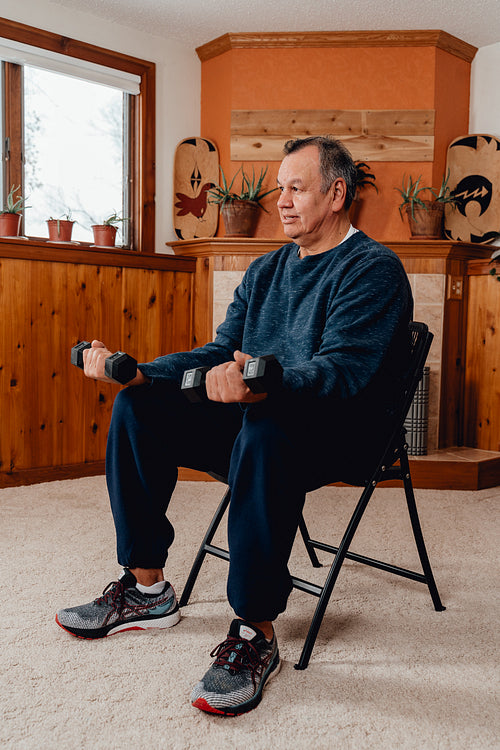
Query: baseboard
[448,469]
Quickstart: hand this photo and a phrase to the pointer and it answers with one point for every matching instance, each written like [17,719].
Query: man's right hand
[93,364]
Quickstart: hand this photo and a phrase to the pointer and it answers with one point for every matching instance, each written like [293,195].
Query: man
[333,306]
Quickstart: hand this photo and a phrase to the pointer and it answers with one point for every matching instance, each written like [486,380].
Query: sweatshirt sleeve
[366,325]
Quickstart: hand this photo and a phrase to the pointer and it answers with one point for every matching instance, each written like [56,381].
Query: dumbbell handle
[260,374]
[119,366]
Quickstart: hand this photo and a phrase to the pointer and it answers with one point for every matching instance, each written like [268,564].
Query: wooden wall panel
[51,415]
[374,135]
[482,368]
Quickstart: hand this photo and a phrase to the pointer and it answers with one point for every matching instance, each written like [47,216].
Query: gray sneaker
[121,607]
[244,663]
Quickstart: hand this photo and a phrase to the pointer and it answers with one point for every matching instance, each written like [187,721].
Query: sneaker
[244,663]
[121,607]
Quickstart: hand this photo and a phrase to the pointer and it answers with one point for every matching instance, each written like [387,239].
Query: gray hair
[334,161]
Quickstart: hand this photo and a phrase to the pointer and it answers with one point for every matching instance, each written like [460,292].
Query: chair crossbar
[388,567]
[210,549]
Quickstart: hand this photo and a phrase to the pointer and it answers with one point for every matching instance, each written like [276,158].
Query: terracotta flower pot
[426,223]
[240,218]
[10,225]
[60,230]
[104,235]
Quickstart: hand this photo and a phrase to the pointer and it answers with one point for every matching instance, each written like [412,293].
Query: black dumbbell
[193,384]
[263,374]
[119,366]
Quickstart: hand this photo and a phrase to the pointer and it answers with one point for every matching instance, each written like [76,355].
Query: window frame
[142,121]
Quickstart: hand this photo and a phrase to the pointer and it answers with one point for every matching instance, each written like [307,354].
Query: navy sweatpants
[271,454]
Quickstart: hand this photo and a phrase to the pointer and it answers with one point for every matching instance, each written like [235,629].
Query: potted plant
[10,217]
[105,233]
[364,179]
[495,255]
[424,207]
[240,208]
[60,230]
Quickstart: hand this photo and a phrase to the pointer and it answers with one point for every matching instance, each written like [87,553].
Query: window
[74,147]
[78,134]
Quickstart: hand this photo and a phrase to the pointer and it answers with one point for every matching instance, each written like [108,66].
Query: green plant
[364,178]
[411,193]
[494,271]
[65,217]
[250,190]
[15,204]
[114,220]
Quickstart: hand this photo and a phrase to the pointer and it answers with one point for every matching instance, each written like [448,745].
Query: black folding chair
[393,464]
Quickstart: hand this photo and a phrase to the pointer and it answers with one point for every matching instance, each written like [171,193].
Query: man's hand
[93,364]
[225,382]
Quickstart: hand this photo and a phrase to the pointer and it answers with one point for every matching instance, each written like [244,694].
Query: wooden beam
[375,135]
[362,147]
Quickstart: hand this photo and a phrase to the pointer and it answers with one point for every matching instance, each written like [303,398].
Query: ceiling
[196,22]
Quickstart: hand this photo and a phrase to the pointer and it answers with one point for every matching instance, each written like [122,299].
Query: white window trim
[24,54]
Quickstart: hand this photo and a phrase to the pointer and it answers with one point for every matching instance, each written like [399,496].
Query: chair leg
[307,541]
[417,533]
[332,577]
[202,552]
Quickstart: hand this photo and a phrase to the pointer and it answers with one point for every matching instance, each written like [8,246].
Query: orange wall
[340,78]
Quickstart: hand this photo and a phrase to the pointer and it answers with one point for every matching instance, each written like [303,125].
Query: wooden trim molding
[265,40]
[62,253]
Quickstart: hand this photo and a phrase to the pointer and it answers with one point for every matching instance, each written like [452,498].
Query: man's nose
[285,198]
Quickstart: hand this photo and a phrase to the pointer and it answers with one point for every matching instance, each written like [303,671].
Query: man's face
[305,212]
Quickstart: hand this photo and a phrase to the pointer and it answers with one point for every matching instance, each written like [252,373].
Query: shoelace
[114,595]
[237,654]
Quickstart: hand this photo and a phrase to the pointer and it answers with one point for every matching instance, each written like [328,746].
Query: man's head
[334,161]
[316,181]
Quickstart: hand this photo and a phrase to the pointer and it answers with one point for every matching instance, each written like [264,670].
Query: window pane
[73,140]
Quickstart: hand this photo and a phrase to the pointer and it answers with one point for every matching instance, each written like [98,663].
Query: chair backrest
[420,343]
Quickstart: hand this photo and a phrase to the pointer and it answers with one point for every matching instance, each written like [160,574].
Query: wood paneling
[52,416]
[381,135]
[482,365]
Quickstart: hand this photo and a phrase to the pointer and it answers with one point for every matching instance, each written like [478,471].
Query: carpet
[387,670]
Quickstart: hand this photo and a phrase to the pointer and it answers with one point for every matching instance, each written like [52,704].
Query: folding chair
[393,464]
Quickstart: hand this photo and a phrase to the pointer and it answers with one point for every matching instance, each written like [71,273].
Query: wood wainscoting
[54,420]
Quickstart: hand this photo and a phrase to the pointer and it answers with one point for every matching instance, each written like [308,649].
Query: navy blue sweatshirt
[337,321]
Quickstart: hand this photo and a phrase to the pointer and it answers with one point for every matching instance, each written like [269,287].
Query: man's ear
[338,192]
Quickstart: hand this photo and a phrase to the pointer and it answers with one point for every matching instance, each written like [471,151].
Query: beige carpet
[387,670]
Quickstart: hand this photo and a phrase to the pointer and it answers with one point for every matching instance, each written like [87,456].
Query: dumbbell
[193,384]
[119,366]
[261,375]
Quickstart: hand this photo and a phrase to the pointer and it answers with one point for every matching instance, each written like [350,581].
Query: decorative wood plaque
[196,170]
[474,164]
